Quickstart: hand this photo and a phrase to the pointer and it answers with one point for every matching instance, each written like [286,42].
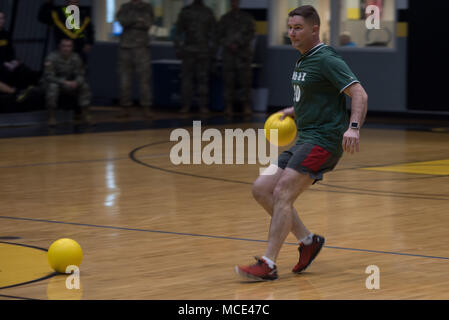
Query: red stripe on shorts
[316,158]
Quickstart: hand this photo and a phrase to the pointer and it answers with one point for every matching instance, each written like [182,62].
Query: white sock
[307,240]
[270,263]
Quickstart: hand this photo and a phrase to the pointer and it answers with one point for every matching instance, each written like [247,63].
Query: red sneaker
[308,253]
[259,271]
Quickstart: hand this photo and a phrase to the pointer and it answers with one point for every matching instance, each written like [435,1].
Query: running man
[319,80]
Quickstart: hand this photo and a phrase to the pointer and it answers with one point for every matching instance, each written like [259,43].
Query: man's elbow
[365,97]
[365,101]
[362,93]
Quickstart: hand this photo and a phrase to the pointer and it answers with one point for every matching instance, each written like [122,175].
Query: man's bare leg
[290,185]
[263,190]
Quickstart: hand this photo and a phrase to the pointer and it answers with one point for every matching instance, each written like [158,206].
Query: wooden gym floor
[153,230]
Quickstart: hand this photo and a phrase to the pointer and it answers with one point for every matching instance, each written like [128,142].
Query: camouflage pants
[195,66]
[138,60]
[54,90]
[237,69]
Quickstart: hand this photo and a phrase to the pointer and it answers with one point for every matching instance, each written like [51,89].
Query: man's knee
[263,187]
[282,193]
[260,191]
[267,181]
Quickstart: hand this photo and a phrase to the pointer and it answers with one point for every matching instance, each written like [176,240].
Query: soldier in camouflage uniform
[195,45]
[236,31]
[64,73]
[136,18]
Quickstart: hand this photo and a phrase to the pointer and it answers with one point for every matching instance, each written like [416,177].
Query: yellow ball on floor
[63,253]
[286,129]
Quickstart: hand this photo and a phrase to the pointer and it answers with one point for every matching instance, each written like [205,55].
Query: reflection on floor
[109,119]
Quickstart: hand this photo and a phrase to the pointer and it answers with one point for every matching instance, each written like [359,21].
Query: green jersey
[319,79]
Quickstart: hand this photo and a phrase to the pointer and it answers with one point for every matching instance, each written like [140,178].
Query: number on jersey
[297,96]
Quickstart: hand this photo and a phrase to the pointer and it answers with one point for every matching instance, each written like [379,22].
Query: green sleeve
[337,72]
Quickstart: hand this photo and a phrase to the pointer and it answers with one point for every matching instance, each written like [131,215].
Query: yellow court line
[438,167]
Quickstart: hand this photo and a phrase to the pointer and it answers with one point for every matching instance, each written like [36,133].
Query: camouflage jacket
[58,69]
[236,27]
[136,20]
[196,30]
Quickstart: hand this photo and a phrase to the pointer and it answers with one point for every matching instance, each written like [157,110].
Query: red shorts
[309,159]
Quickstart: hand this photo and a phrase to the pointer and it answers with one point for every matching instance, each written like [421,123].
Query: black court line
[212,236]
[24,245]
[132,156]
[50,275]
[17,298]
[10,238]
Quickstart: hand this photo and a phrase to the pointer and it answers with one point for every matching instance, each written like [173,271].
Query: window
[166,14]
[165,11]
[279,17]
[353,30]
[343,22]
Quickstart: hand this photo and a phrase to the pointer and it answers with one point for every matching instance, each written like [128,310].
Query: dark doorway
[428,55]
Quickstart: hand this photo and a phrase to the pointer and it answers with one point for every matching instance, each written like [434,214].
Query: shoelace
[259,262]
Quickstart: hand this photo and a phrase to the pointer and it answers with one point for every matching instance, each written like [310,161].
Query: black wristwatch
[355,125]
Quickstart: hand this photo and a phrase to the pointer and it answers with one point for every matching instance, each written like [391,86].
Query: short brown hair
[308,13]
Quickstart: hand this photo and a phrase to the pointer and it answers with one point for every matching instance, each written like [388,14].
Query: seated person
[15,77]
[64,74]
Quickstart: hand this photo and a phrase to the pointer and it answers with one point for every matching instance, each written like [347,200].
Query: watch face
[354,125]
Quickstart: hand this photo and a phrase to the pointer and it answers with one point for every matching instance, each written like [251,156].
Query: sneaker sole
[251,277]
[312,258]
